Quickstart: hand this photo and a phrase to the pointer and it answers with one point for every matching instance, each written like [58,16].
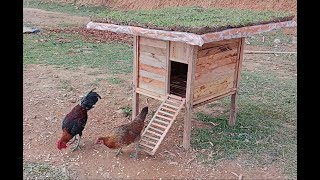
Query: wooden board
[214,75]
[208,67]
[208,99]
[217,49]
[152,88]
[153,42]
[150,94]
[218,43]
[151,75]
[152,65]
[149,68]
[152,60]
[214,87]
[217,56]
[153,50]
[178,52]
[153,82]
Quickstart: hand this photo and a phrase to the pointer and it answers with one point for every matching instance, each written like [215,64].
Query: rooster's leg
[118,152]
[77,146]
[135,155]
[74,139]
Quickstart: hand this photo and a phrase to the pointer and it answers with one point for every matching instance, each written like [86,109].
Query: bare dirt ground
[46,19]
[46,101]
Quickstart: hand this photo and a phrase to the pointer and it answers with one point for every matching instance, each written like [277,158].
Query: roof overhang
[190,38]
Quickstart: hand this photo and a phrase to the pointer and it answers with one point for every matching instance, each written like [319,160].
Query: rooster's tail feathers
[143,114]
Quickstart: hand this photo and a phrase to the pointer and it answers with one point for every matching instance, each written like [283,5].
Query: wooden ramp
[160,123]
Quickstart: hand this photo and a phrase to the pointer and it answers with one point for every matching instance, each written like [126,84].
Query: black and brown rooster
[75,121]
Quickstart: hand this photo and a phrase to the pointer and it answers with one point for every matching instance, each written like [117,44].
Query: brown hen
[125,134]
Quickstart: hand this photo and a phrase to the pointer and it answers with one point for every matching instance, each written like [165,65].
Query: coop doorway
[178,78]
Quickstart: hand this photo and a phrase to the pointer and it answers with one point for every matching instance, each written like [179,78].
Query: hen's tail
[143,114]
[90,99]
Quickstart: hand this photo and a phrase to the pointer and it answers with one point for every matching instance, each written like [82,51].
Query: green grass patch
[33,170]
[126,111]
[115,80]
[68,50]
[265,130]
[187,17]
[94,73]
[269,38]
[192,17]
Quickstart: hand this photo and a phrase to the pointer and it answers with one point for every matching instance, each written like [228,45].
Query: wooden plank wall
[178,52]
[152,65]
[215,69]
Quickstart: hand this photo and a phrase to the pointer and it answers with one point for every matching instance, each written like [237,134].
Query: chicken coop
[185,70]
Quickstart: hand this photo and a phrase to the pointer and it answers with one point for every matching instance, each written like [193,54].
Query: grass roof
[191,19]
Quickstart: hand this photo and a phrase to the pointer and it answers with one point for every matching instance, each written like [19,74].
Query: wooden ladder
[160,123]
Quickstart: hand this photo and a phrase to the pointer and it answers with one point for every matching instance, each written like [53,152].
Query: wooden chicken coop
[184,69]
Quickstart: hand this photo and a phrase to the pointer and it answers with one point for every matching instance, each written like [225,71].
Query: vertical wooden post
[234,97]
[168,66]
[135,73]
[192,57]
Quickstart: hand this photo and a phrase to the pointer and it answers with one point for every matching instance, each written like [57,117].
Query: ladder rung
[145,150]
[154,133]
[158,130]
[151,147]
[151,142]
[163,117]
[156,139]
[161,121]
[173,101]
[166,113]
[175,97]
[168,109]
[156,124]
[169,105]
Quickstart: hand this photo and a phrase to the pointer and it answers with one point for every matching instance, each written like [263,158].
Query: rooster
[125,134]
[75,121]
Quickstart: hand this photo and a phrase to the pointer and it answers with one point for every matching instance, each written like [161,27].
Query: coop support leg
[135,105]
[187,128]
[135,97]
[234,97]
[233,109]
[192,57]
